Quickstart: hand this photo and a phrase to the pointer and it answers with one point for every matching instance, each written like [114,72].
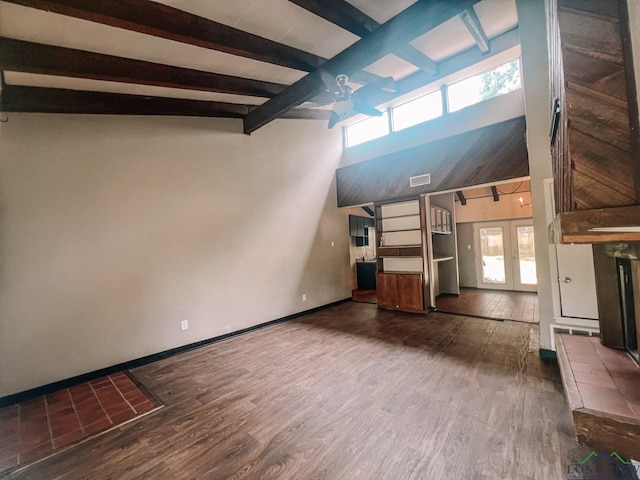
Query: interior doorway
[505,257]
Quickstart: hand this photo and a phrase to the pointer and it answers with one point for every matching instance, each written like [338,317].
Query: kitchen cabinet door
[387,290]
[410,295]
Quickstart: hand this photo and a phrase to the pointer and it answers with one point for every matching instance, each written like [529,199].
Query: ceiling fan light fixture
[343,108]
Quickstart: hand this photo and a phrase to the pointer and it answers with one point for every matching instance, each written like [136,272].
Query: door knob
[566,279]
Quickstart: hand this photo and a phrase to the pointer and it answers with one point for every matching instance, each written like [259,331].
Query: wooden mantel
[602,225]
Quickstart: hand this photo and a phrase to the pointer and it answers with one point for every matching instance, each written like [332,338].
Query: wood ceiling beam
[409,24]
[494,192]
[163,21]
[28,57]
[16,98]
[473,24]
[301,113]
[498,45]
[157,19]
[55,100]
[348,17]
[461,197]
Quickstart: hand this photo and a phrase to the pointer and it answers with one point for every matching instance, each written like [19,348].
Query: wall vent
[419,180]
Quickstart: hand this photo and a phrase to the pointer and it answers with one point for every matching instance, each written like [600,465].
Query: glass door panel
[494,257]
[492,250]
[524,265]
[526,255]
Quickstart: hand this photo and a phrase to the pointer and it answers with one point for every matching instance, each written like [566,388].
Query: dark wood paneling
[632,93]
[598,116]
[561,162]
[598,7]
[592,75]
[409,24]
[598,74]
[608,298]
[607,166]
[29,57]
[597,35]
[486,155]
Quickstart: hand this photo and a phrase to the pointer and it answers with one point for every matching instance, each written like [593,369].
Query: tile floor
[495,304]
[35,428]
[607,379]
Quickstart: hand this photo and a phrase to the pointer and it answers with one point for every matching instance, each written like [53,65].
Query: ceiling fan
[346,101]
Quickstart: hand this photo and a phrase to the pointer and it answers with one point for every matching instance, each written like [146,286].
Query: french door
[505,255]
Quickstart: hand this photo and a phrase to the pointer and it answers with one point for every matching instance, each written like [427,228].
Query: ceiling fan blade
[328,80]
[361,107]
[334,119]
[383,83]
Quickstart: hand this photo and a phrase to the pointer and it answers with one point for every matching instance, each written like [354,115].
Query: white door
[493,259]
[577,280]
[523,254]
[505,257]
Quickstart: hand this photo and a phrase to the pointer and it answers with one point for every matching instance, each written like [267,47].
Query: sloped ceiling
[180,56]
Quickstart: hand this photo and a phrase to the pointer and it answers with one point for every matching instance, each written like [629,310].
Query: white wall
[535,77]
[115,229]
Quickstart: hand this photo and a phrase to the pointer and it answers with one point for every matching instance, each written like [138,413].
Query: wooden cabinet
[400,291]
[387,286]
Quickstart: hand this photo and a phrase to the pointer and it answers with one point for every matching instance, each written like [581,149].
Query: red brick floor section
[38,427]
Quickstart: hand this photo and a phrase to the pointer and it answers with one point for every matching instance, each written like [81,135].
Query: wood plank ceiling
[252,59]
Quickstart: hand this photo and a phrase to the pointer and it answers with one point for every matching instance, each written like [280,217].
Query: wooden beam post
[494,192]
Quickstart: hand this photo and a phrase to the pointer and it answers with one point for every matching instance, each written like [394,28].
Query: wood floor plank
[351,392]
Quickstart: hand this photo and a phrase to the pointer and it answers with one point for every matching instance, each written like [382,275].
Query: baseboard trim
[85,377]
[548,355]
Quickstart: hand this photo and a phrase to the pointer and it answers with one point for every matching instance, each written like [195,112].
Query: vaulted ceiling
[252,59]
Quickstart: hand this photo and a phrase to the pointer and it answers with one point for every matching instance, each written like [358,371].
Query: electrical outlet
[304,297]
[184,325]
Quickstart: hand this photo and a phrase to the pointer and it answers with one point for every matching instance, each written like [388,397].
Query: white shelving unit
[442,246]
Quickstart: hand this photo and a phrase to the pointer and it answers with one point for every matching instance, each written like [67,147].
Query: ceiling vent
[419,180]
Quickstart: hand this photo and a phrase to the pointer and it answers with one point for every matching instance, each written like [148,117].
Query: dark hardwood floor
[493,304]
[350,392]
[365,296]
